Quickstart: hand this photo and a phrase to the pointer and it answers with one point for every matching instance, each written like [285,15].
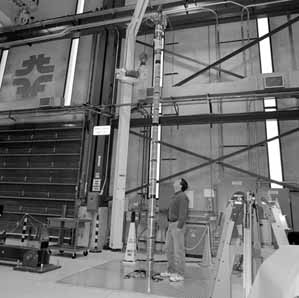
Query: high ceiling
[181,14]
[185,16]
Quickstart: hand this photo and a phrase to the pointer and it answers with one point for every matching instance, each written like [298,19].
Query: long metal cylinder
[160,24]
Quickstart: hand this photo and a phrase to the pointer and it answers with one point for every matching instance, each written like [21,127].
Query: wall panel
[54,8]
[199,44]
[285,47]
[199,139]
[91,5]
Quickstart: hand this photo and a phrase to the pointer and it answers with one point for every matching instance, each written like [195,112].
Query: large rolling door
[39,171]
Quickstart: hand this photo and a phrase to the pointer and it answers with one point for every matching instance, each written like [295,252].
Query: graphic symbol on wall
[23,83]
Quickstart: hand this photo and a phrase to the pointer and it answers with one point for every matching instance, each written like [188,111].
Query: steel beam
[238,51]
[91,22]
[248,95]
[193,60]
[198,119]
[220,161]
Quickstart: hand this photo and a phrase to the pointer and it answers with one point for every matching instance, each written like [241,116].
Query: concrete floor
[32,285]
[110,275]
[84,277]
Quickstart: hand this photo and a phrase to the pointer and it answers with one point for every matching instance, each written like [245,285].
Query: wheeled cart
[69,230]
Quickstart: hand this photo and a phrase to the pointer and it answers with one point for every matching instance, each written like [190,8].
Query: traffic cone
[207,256]
[131,249]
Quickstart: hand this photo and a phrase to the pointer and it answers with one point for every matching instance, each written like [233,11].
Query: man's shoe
[176,277]
[165,274]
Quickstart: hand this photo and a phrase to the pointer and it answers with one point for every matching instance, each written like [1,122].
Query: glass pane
[269,102]
[274,153]
[265,48]
[81,79]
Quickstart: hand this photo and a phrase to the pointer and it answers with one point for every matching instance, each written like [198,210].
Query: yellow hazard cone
[131,250]
[207,257]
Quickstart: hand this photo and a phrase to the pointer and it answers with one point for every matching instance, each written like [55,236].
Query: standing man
[175,237]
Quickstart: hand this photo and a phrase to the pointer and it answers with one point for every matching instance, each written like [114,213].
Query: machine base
[45,268]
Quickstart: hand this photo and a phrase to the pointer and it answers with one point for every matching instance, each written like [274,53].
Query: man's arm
[183,211]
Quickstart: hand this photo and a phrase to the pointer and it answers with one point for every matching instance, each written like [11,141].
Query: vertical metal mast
[160,25]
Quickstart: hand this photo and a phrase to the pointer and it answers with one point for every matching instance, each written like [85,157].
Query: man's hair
[184,184]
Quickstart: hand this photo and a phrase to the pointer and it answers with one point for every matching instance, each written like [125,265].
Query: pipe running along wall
[126,93]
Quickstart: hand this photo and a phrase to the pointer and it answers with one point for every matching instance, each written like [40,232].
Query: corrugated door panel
[39,170]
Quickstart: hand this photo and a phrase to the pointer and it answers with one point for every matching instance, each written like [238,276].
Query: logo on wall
[25,88]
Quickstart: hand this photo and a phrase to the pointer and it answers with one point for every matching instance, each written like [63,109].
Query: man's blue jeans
[175,248]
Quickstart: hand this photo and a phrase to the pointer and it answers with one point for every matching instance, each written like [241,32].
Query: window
[274,155]
[72,62]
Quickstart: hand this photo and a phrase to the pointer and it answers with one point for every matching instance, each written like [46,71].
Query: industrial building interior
[104,104]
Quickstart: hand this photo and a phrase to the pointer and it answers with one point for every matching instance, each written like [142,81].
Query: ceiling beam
[200,119]
[90,22]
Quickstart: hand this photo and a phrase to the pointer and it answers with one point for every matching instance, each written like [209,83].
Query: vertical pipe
[160,24]
[126,92]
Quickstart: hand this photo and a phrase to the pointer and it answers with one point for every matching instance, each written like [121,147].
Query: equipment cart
[68,234]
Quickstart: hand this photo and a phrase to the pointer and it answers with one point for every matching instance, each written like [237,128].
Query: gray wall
[285,48]
[199,43]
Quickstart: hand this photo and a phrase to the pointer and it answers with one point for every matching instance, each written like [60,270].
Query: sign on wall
[33,73]
[102,130]
[26,88]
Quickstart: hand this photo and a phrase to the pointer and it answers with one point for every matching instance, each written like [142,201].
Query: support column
[126,92]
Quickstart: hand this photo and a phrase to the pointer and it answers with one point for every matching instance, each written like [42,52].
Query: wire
[17,225]
[36,220]
[199,241]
